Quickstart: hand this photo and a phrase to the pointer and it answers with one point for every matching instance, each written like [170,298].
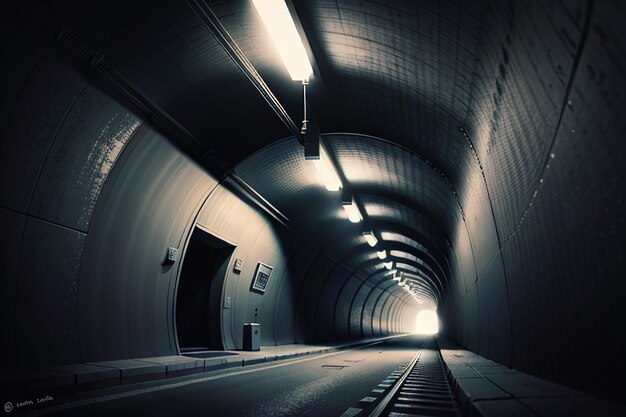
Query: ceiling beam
[213,24]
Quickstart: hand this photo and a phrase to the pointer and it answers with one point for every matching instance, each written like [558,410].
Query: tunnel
[170,196]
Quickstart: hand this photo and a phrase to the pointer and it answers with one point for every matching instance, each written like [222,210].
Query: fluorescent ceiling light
[370,238]
[327,171]
[388,265]
[354,215]
[278,22]
[382,254]
[399,276]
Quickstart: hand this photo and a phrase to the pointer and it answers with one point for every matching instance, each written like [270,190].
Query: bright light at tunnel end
[427,323]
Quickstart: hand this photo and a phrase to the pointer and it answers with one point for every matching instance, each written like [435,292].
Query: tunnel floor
[328,384]
[399,376]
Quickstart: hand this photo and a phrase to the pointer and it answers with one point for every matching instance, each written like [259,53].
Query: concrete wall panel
[473,319]
[495,309]
[307,300]
[343,323]
[370,320]
[377,315]
[126,291]
[86,145]
[385,312]
[36,114]
[357,313]
[12,226]
[327,305]
[47,294]
[284,321]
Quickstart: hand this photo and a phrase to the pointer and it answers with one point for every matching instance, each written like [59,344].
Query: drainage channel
[419,388]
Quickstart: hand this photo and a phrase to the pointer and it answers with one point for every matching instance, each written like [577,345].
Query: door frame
[224,242]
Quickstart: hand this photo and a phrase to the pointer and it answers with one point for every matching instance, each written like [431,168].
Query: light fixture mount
[305,121]
[323,164]
[370,237]
[348,203]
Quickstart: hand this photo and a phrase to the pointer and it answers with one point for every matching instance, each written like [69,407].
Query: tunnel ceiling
[400,79]
[399,194]
[402,71]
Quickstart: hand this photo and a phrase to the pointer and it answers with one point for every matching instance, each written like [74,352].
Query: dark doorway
[198,300]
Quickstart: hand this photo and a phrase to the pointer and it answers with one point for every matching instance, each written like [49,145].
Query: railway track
[419,388]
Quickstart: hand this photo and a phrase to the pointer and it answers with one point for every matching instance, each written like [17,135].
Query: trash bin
[251,336]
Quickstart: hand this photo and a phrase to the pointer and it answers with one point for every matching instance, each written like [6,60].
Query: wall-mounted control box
[172,255]
[237,267]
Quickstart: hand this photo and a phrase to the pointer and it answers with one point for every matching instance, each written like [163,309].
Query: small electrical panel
[172,255]
[238,265]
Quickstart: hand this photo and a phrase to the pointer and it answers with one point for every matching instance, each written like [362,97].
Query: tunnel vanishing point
[164,181]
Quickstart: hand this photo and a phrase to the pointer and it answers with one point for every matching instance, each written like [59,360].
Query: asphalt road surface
[325,385]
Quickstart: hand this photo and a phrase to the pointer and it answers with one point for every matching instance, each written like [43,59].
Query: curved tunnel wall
[166,197]
[92,197]
[121,300]
[539,270]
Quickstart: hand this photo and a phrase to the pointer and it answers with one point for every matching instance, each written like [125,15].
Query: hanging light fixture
[326,170]
[388,265]
[280,25]
[278,22]
[282,29]
[382,254]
